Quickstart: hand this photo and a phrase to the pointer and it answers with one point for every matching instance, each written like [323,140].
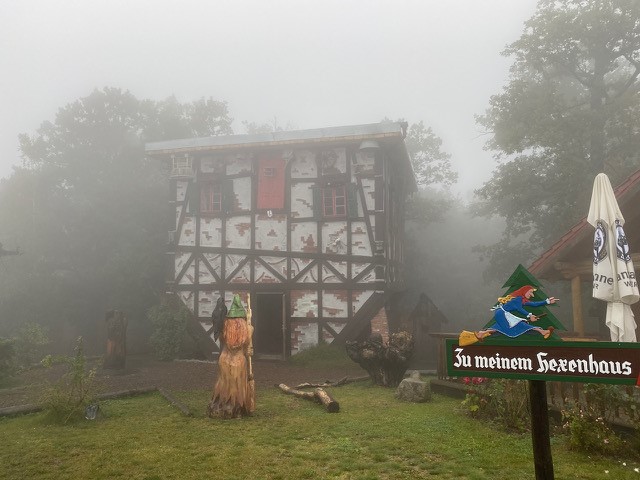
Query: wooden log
[175,402]
[125,393]
[329,383]
[33,408]
[319,395]
[327,400]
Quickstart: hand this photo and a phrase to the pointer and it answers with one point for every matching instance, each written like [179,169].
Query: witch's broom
[251,390]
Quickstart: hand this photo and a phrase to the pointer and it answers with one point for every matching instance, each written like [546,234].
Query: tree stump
[386,364]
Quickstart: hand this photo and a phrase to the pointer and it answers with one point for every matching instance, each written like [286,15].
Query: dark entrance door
[269,324]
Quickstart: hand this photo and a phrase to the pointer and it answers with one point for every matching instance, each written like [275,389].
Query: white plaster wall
[180,259]
[242,192]
[369,189]
[297,265]
[341,267]
[211,232]
[359,298]
[271,233]
[365,162]
[328,276]
[188,232]
[231,263]
[206,304]
[305,335]
[279,264]
[263,275]
[215,260]
[334,304]
[304,165]
[301,200]
[240,163]
[187,299]
[238,233]
[189,275]
[334,238]
[360,243]
[204,274]
[303,237]
[181,190]
[305,305]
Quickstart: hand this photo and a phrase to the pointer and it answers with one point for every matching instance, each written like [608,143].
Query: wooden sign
[586,362]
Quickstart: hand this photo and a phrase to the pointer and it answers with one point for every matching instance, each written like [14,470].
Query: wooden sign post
[542,361]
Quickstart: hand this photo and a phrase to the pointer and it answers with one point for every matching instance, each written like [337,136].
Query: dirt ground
[144,372]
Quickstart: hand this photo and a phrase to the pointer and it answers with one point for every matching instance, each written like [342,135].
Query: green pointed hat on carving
[237,309]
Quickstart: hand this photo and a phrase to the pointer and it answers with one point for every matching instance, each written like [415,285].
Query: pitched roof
[369,131]
[625,193]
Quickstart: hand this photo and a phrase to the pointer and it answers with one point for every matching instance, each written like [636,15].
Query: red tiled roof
[581,229]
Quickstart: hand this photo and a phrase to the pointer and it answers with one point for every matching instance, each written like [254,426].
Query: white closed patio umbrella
[614,277]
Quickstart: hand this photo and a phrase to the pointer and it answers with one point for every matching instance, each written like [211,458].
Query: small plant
[590,433]
[588,422]
[67,400]
[474,401]
[169,323]
[503,401]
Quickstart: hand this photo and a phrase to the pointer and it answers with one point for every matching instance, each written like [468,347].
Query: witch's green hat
[237,309]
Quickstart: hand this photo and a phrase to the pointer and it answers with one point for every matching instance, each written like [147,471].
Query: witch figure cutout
[231,394]
[507,322]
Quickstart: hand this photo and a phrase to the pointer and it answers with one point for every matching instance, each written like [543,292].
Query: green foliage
[589,421]
[373,436]
[169,322]
[504,402]
[7,359]
[29,342]
[89,211]
[430,164]
[67,400]
[569,112]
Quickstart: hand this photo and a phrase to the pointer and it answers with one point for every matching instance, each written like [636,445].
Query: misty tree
[434,174]
[89,209]
[570,110]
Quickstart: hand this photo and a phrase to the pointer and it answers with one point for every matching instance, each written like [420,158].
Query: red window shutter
[271,183]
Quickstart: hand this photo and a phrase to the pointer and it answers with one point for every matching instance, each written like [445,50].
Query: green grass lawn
[373,436]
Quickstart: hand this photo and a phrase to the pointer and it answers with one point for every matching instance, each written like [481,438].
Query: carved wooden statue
[116,340]
[233,394]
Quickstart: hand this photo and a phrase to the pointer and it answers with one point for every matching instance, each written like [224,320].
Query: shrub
[169,322]
[29,342]
[589,421]
[505,402]
[67,400]
[7,359]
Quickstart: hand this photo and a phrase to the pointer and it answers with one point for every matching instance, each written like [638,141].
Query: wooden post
[576,303]
[540,430]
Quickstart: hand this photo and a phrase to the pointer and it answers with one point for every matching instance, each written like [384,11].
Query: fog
[305,64]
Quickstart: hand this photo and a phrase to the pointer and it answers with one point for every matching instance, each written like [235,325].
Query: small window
[270,172]
[334,201]
[211,198]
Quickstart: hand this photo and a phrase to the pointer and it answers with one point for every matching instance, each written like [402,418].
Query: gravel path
[144,371]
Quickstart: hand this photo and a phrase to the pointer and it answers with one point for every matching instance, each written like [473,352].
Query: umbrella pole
[540,430]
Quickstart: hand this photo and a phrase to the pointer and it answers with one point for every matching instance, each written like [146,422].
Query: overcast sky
[305,63]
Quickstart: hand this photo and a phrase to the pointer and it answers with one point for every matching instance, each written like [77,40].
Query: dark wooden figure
[116,340]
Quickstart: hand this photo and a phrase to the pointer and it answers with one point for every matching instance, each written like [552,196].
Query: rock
[414,390]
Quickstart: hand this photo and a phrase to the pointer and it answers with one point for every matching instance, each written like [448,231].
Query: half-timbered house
[309,222]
